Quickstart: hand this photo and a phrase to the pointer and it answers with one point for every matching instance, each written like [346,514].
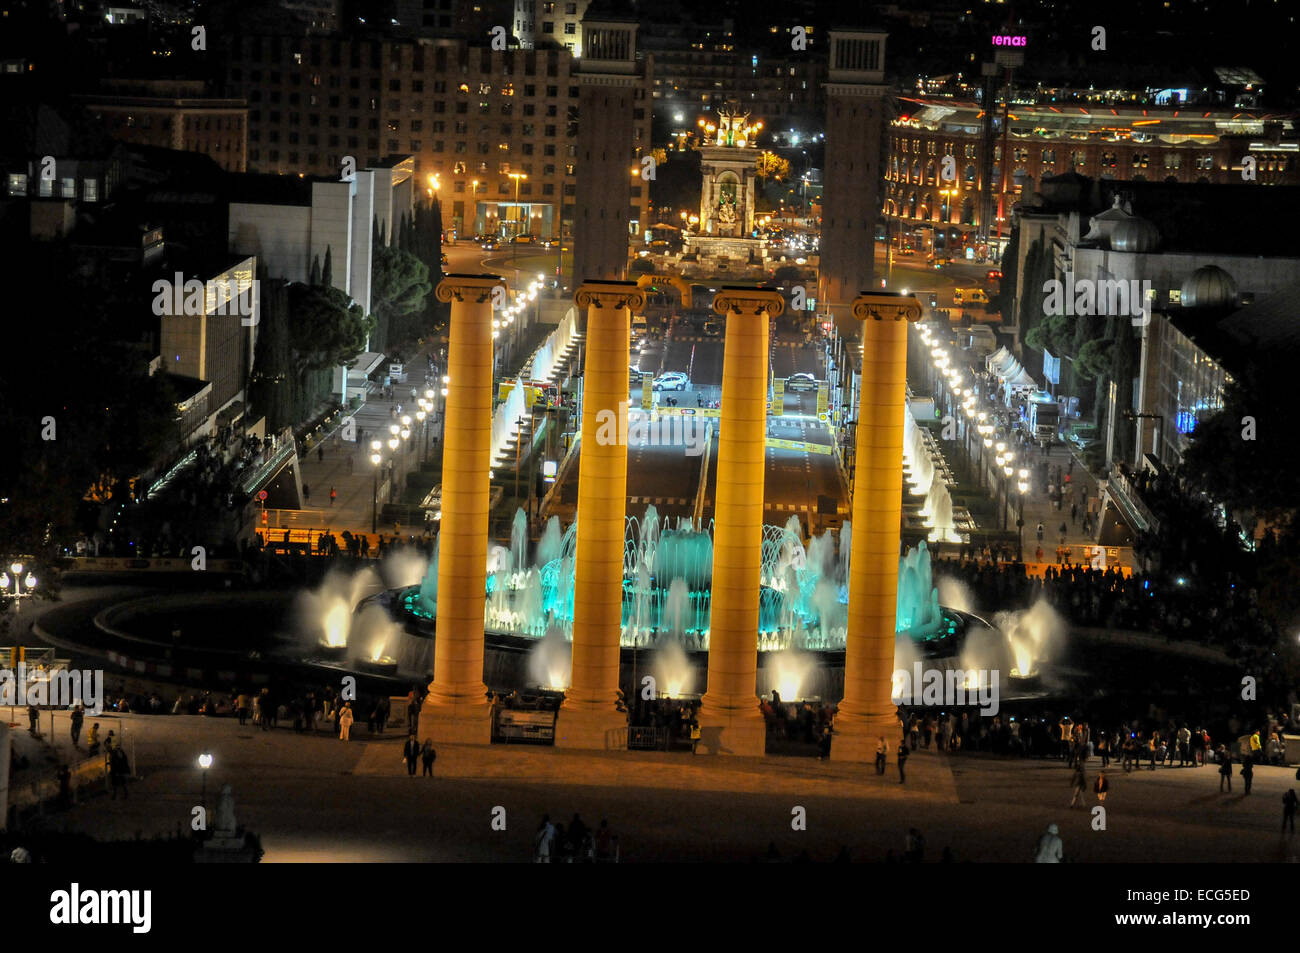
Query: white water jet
[788,672]
[550,661]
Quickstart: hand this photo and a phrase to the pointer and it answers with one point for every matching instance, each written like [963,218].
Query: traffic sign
[261,494]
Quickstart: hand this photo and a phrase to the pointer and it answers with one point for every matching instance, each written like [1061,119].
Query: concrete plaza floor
[316,798]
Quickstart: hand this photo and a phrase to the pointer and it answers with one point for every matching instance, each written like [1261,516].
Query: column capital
[738,299]
[609,294]
[476,288]
[886,306]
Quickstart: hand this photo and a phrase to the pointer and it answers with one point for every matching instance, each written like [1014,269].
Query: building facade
[1133,143]
[498,129]
[174,114]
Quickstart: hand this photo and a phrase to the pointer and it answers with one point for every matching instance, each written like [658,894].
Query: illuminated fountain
[667,579]
[505,426]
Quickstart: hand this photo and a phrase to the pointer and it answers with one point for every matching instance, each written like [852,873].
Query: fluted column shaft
[867,711]
[602,495]
[457,692]
[730,705]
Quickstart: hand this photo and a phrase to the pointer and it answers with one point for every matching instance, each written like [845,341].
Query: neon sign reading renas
[1008,40]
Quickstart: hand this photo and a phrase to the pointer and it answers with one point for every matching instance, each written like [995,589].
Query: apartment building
[493,131]
[173,114]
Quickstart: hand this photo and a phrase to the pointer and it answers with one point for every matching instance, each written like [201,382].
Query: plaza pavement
[313,797]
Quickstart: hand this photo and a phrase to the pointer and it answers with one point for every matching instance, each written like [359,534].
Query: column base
[591,729]
[456,721]
[733,731]
[856,736]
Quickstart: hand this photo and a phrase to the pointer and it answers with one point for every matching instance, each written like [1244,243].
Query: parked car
[491,245]
[798,382]
[673,380]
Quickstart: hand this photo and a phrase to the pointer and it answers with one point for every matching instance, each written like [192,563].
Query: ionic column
[730,720]
[589,718]
[456,708]
[867,712]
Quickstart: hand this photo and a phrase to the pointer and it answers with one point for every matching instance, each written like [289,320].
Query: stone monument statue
[225,826]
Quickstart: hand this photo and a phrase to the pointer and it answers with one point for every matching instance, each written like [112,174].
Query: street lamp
[205,762]
[17,586]
[1022,485]
[375,458]
[514,245]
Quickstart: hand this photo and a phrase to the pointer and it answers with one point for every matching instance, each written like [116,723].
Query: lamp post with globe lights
[15,585]
[375,458]
[1022,485]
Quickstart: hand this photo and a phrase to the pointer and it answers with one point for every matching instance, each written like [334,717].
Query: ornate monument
[727,193]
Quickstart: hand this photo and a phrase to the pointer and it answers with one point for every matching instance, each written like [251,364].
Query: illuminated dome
[1134,235]
[1209,287]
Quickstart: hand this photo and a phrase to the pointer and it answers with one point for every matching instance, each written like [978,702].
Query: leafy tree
[326,328]
[399,286]
[769,165]
[1095,358]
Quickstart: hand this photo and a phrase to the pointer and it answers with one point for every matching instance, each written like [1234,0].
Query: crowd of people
[553,843]
[1107,598]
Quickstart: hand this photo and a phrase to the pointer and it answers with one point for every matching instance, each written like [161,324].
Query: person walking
[902,762]
[334,495]
[1225,769]
[1288,810]
[543,840]
[78,717]
[428,755]
[320,453]
[306,493]
[118,771]
[1184,746]
[411,754]
[1101,786]
[881,750]
[1040,531]
[1050,848]
[1247,772]
[1078,782]
[1103,749]
[913,846]
[604,842]
[345,721]
[92,740]
[241,708]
